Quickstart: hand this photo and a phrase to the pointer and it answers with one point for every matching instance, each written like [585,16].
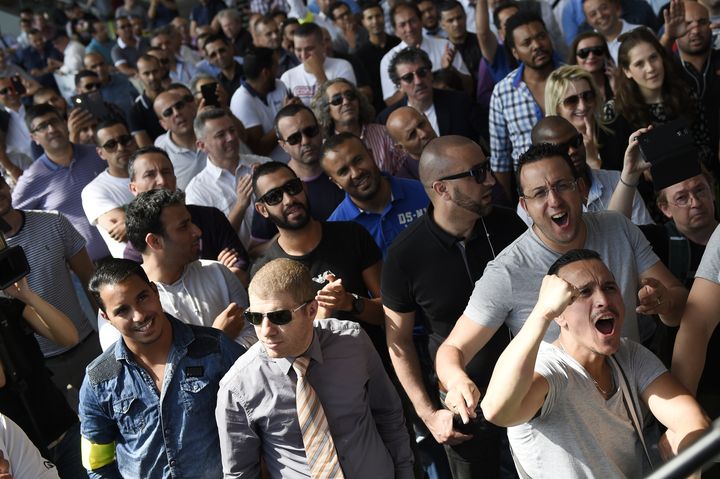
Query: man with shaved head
[411,131]
[429,275]
[598,185]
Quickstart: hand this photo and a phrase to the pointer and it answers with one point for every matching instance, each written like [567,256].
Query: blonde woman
[571,92]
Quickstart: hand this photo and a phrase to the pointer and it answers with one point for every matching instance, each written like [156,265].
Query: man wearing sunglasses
[428,275]
[176,111]
[146,405]
[104,199]
[598,185]
[363,417]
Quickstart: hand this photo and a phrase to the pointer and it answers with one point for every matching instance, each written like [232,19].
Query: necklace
[487,235]
[606,394]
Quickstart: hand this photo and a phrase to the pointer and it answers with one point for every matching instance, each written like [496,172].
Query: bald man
[598,185]
[411,131]
[458,236]
[115,87]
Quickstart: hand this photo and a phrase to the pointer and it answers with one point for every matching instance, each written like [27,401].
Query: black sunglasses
[167,112]
[92,86]
[573,100]
[574,142]
[337,100]
[5,91]
[421,72]
[111,145]
[296,138]
[275,196]
[279,317]
[479,172]
[585,52]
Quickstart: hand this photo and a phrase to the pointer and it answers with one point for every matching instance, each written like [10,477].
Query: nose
[489,179]
[267,328]
[553,198]
[196,231]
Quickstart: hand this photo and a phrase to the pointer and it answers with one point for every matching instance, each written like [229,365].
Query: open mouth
[144,326]
[606,324]
[560,219]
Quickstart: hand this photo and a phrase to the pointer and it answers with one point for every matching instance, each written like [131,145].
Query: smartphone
[669,148]
[91,102]
[209,94]
[18,86]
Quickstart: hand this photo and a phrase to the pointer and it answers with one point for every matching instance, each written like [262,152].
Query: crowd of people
[398,239]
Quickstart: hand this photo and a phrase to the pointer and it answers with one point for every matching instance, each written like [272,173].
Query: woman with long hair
[589,50]
[571,92]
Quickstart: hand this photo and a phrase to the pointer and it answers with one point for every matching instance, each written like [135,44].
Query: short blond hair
[280,276]
[558,83]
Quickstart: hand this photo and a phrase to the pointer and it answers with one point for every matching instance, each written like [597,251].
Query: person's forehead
[558,134]
[174,214]
[217,124]
[403,14]
[695,11]
[686,185]
[370,12]
[147,64]
[123,291]
[151,161]
[589,42]
[408,67]
[457,10]
[552,168]
[215,45]
[299,120]
[349,149]
[593,4]
[5,81]
[274,180]
[306,40]
[271,301]
[166,99]
[88,79]
[527,30]
[44,118]
[587,271]
[111,131]
[338,87]
[340,9]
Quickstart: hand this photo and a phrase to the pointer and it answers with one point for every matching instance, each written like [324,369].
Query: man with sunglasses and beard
[104,198]
[599,185]
[300,358]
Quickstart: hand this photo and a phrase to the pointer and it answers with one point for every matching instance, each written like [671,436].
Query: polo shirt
[186,163]
[123,53]
[49,186]
[120,92]
[143,118]
[231,84]
[432,273]
[408,202]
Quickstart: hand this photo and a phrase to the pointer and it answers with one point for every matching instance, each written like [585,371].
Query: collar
[596,188]
[396,193]
[52,166]
[122,44]
[445,238]
[314,352]
[253,92]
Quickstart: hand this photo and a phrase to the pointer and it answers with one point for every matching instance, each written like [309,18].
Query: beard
[282,221]
[467,203]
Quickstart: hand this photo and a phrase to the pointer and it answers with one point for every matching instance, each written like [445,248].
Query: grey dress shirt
[256,411]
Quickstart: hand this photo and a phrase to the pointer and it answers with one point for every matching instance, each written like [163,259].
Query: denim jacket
[131,430]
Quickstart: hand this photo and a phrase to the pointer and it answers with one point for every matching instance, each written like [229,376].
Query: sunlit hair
[558,84]
[321,107]
[629,101]
[283,276]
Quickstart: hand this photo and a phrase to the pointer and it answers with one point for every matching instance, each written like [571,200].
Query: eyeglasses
[684,200]
[308,132]
[585,52]
[6,90]
[348,95]
[478,172]
[279,317]
[111,145]
[43,127]
[559,188]
[574,142]
[167,112]
[572,101]
[421,72]
[275,196]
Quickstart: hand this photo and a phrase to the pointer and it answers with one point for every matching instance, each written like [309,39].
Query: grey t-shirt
[578,433]
[709,268]
[509,287]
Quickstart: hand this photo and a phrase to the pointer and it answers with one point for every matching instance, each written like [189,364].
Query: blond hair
[558,83]
[280,276]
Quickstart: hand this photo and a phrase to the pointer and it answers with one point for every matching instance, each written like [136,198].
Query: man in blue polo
[382,204]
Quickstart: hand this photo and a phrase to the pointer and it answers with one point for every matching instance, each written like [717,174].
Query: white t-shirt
[304,85]
[709,267]
[104,194]
[252,111]
[203,291]
[578,433]
[24,458]
[434,47]
[186,163]
[614,46]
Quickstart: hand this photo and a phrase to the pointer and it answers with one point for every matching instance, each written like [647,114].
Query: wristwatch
[358,304]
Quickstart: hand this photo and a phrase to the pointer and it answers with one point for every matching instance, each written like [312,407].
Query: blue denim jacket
[156,435]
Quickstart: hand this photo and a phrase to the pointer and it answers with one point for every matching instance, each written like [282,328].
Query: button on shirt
[513,113]
[408,202]
[257,414]
[159,434]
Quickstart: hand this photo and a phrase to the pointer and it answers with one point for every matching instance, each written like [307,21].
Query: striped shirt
[49,241]
[376,139]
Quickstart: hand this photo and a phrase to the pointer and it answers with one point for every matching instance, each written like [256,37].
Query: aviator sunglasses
[279,317]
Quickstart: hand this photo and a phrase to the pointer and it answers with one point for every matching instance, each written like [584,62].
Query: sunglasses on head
[337,100]
[585,52]
[573,100]
[167,112]
[279,317]
[308,132]
[478,172]
[111,145]
[275,196]
[421,72]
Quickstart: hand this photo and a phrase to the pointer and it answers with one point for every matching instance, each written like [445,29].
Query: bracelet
[628,184]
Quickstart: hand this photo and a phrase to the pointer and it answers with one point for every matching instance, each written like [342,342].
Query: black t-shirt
[431,273]
[24,367]
[143,118]
[370,55]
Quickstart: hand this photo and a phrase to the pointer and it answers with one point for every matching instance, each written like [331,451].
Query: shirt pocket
[197,394]
[129,414]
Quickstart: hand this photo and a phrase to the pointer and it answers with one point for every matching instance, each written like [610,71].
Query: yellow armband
[95,456]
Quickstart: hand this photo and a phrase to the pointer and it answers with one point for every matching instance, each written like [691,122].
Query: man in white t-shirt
[572,407]
[105,197]
[408,27]
[260,96]
[316,68]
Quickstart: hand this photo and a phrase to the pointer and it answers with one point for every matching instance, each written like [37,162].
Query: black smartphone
[91,102]
[668,148]
[209,94]
[18,86]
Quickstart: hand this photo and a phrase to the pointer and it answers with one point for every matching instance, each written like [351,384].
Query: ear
[261,208]
[100,152]
[627,73]
[154,241]
[665,210]
[515,53]
[133,188]
[523,205]
[398,146]
[103,315]
[561,321]
[284,146]
[439,188]
[163,123]
[312,309]
[199,144]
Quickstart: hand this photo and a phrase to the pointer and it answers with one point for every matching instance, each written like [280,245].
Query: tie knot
[301,364]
